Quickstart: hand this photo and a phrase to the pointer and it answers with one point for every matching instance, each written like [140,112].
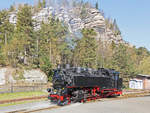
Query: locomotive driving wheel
[65,101]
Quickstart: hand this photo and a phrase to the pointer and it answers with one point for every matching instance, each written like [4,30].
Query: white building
[140,82]
[136,84]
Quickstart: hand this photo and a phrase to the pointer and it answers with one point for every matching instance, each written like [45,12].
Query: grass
[21,102]
[18,95]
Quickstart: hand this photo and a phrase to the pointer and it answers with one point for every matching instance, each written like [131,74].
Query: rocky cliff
[75,22]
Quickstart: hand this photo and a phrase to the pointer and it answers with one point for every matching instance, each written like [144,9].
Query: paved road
[131,105]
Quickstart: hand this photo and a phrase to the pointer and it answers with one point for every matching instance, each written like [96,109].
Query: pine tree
[12,8]
[39,4]
[65,3]
[44,3]
[6,32]
[24,19]
[83,13]
[14,51]
[116,28]
[96,5]
[6,28]
[25,28]
[52,39]
[121,60]
[85,51]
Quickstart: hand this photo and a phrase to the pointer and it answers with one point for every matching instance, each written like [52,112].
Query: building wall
[146,83]
[136,84]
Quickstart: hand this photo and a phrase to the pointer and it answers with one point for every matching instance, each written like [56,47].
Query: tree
[12,8]
[83,13]
[116,28]
[85,51]
[121,59]
[40,4]
[96,5]
[24,20]
[25,28]
[6,28]
[144,66]
[44,3]
[46,67]
[6,32]
[142,53]
[14,51]
[52,39]
[65,3]
[74,3]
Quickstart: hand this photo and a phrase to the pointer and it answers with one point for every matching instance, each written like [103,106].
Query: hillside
[46,36]
[75,22]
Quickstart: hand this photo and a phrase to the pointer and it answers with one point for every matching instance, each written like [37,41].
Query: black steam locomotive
[78,84]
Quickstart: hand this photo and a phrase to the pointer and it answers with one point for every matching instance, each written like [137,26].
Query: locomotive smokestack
[90,70]
[67,66]
[58,67]
[78,70]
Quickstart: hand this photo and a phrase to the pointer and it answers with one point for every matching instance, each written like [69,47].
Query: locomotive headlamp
[49,90]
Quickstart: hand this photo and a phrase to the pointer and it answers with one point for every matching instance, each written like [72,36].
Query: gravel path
[131,105]
[27,106]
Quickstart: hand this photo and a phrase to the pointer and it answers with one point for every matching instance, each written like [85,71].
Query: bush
[46,66]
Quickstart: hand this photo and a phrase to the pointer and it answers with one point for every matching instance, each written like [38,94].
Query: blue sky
[133,17]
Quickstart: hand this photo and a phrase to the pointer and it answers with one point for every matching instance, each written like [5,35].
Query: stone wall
[7,76]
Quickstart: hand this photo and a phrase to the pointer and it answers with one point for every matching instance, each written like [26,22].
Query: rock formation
[72,18]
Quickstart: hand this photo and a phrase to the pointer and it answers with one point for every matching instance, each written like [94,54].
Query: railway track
[22,99]
[125,96]
[32,111]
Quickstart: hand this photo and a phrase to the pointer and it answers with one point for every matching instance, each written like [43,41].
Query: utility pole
[104,33]
[37,49]
[102,54]
[50,50]
[37,46]
[5,39]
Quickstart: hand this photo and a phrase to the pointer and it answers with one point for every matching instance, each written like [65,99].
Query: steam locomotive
[78,84]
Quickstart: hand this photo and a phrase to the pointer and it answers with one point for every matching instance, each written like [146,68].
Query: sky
[133,17]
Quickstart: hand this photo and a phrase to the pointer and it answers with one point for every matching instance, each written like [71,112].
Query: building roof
[141,75]
[137,80]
